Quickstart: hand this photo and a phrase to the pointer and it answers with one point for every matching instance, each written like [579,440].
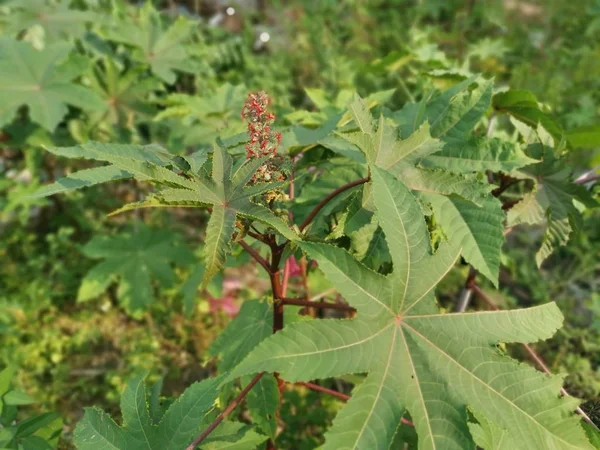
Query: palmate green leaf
[163,49]
[551,202]
[35,79]
[175,430]
[227,193]
[421,163]
[384,149]
[58,19]
[218,237]
[419,360]
[125,93]
[133,260]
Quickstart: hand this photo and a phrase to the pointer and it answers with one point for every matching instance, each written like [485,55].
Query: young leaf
[450,173]
[418,360]
[227,193]
[175,431]
[384,149]
[133,259]
[33,78]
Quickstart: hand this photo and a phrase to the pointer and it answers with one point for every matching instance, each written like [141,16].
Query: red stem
[316,387]
[286,277]
[308,303]
[225,413]
[263,262]
[328,198]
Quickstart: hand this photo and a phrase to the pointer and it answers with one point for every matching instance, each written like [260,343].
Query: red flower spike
[262,140]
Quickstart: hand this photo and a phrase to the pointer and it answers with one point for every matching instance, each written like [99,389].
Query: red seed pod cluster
[263,140]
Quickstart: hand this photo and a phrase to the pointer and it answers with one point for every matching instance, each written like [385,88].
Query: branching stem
[263,262]
[328,198]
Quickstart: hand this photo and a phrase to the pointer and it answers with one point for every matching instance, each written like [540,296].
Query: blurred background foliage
[176,73]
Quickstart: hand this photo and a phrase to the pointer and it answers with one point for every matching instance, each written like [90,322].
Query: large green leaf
[133,260]
[445,174]
[84,178]
[126,93]
[175,430]
[163,49]
[402,157]
[228,193]
[58,19]
[455,113]
[419,360]
[33,78]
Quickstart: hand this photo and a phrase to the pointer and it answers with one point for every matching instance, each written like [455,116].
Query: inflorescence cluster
[263,140]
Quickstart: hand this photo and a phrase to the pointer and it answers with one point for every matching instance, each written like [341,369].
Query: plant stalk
[328,198]
[225,413]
